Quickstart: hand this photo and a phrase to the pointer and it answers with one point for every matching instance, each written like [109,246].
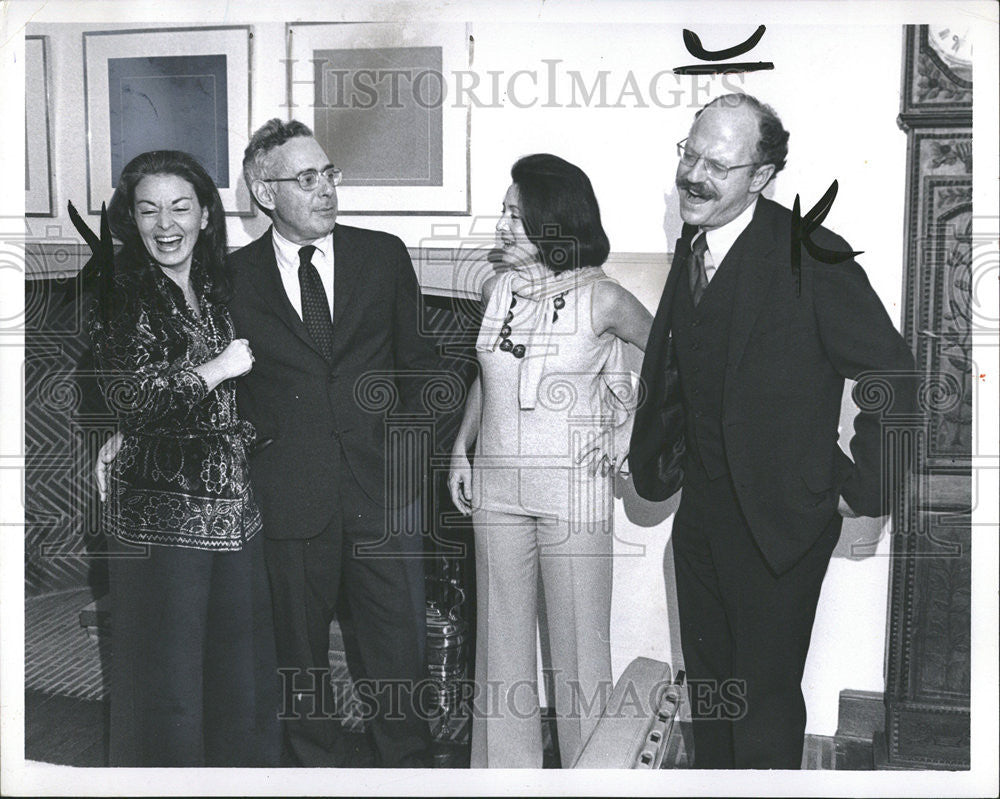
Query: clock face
[953,44]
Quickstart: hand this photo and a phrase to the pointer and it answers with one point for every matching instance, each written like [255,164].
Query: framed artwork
[168,89]
[38,199]
[377,96]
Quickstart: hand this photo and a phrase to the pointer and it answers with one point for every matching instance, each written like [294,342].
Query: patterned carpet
[66,692]
[60,656]
[66,687]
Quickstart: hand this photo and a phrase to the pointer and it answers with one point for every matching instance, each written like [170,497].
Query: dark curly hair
[772,146]
[209,250]
[271,134]
[560,212]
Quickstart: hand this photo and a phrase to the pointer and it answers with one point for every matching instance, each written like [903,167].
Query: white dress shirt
[720,240]
[287,255]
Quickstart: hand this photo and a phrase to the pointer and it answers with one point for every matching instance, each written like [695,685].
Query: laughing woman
[193,676]
[552,399]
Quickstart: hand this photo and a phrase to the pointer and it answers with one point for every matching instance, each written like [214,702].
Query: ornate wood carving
[929,626]
[934,92]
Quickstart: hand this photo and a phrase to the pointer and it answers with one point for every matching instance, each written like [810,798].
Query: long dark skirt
[193,675]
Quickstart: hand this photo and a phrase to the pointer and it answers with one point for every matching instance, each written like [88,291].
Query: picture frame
[153,89]
[376,97]
[38,189]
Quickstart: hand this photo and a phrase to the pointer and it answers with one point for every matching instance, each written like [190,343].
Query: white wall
[838,96]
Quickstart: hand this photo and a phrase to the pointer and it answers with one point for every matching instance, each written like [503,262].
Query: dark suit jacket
[788,356]
[306,408]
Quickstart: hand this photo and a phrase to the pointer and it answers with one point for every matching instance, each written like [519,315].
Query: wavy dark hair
[209,250]
[560,212]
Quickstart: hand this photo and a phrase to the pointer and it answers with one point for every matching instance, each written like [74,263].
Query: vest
[701,337]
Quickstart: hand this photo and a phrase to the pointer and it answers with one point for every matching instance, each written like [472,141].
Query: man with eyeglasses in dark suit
[744,371]
[323,304]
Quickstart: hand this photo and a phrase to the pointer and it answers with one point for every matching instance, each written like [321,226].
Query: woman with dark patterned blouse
[193,672]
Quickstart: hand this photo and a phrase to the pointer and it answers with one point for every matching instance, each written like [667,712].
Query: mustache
[702,189]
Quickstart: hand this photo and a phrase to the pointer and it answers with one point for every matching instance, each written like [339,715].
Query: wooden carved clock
[928,633]
[953,45]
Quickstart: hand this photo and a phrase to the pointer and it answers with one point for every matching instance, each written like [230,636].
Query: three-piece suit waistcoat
[701,338]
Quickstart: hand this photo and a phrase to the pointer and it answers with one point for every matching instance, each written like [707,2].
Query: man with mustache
[745,371]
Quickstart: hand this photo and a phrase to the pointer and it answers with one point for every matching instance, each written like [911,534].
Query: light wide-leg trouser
[574,562]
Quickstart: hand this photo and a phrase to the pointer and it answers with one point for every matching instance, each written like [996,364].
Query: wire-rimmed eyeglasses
[309,179]
[716,170]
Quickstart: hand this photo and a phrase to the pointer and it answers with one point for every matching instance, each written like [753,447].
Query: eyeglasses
[309,178]
[716,170]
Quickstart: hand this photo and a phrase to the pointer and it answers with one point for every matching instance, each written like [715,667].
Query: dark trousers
[384,591]
[744,630]
[193,674]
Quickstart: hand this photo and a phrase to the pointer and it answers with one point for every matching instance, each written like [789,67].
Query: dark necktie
[696,268]
[315,305]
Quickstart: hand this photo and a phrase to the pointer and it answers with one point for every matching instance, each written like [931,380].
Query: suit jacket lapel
[657,437]
[658,360]
[348,266]
[265,277]
[756,267]
[678,271]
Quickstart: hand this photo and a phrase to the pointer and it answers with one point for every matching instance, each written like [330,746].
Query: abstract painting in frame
[38,199]
[168,89]
[377,98]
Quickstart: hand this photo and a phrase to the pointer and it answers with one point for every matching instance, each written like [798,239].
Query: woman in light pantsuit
[548,414]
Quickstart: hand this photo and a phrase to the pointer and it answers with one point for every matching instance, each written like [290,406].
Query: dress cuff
[198,380]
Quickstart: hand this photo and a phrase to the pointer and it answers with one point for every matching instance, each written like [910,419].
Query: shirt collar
[288,251]
[720,240]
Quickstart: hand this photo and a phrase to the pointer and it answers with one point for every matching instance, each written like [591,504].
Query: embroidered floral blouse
[181,476]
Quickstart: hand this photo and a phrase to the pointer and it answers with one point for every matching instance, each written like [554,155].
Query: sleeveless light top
[526,457]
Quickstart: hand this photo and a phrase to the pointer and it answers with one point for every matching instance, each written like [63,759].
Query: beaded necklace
[518,350]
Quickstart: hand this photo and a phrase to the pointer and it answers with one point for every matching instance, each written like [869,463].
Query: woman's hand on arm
[616,310]
[141,383]
[234,361]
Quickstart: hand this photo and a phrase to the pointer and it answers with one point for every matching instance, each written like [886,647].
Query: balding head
[723,169]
